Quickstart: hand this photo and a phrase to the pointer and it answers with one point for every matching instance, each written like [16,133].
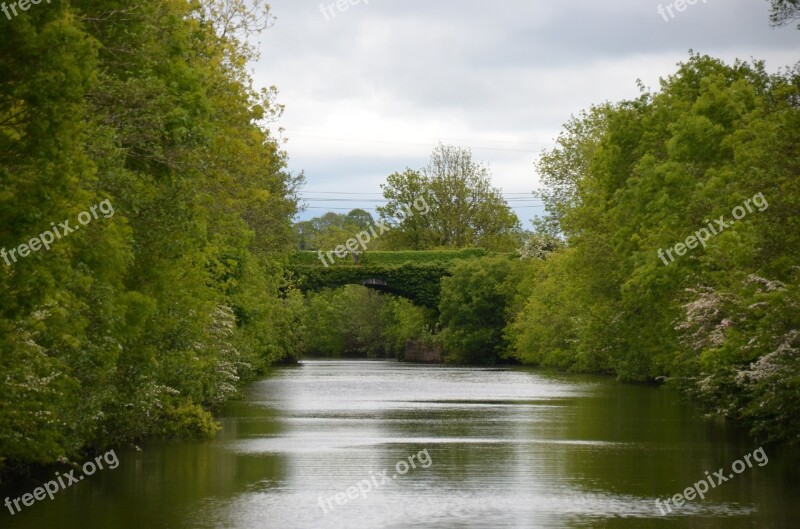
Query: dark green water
[492,448]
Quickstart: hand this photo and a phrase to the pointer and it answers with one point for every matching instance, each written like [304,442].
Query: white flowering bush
[744,354]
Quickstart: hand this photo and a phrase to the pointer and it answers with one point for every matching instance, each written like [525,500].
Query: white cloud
[370,91]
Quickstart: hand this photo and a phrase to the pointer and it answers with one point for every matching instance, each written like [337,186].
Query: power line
[338,209]
[379,198]
[321,134]
[530,150]
[381,194]
[376,209]
[340,193]
[378,142]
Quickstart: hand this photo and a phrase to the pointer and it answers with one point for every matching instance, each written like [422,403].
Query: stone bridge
[415,275]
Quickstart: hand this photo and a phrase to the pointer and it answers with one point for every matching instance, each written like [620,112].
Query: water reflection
[508,449]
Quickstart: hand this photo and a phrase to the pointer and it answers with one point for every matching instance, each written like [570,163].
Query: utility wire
[380,194]
[377,193]
[381,199]
[375,209]
[316,136]
[311,131]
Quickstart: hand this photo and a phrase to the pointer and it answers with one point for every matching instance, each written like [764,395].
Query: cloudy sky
[372,89]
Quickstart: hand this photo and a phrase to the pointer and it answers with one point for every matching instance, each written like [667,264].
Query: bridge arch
[415,275]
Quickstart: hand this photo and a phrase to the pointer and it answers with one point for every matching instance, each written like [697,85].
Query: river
[352,444]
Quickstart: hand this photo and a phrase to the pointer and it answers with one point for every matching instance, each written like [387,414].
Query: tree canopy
[138,324]
[716,149]
[785,12]
[465,209]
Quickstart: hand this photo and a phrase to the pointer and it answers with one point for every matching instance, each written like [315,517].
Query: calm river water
[460,447]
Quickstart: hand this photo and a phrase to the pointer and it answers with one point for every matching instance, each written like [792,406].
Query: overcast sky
[371,90]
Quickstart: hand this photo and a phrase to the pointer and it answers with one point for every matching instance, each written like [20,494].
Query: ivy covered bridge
[415,275]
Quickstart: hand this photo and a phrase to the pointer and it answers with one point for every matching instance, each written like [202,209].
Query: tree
[360,322]
[785,12]
[540,246]
[631,179]
[360,219]
[461,207]
[142,323]
[332,229]
[474,308]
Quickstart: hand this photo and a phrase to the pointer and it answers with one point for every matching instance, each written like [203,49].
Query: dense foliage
[716,149]
[387,258]
[332,229]
[355,321]
[464,209]
[141,322]
[475,305]
[418,282]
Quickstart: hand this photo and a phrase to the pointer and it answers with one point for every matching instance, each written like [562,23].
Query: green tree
[475,305]
[333,229]
[406,321]
[349,321]
[629,180]
[140,324]
[452,204]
